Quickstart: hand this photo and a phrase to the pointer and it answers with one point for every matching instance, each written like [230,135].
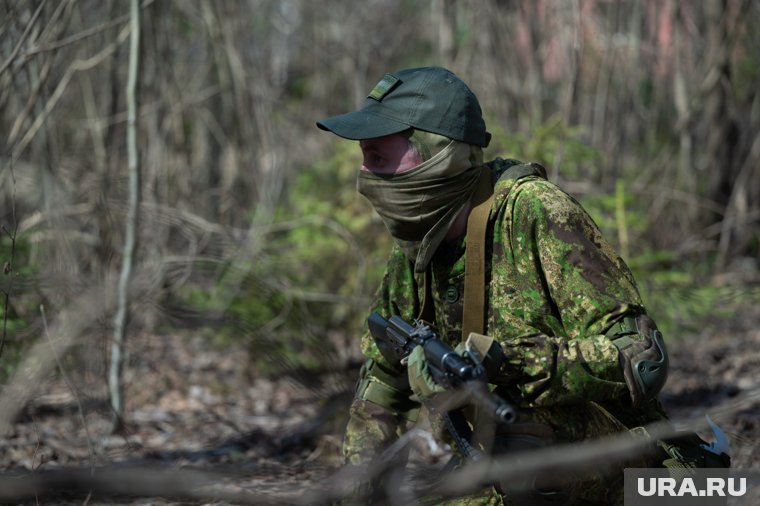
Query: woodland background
[248,234]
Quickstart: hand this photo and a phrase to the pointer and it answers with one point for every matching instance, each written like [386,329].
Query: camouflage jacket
[554,289]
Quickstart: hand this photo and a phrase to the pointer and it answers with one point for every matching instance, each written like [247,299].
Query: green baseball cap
[426,98]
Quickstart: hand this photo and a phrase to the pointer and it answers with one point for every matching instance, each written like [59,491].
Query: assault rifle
[396,338]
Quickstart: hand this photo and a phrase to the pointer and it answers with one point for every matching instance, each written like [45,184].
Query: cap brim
[361,124]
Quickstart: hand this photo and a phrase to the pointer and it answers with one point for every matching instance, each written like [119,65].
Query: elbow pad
[643,356]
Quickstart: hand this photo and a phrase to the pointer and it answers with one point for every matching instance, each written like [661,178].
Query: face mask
[419,206]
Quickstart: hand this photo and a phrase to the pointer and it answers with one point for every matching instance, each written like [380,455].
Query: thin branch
[8,265]
[76,66]
[72,39]
[53,22]
[130,241]
[31,101]
[151,107]
[6,305]
[89,32]
[23,37]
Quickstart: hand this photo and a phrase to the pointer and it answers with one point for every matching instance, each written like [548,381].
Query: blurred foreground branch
[563,462]
[142,481]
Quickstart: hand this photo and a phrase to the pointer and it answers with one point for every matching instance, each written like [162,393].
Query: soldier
[563,319]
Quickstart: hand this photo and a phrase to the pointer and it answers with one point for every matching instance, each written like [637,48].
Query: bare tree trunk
[723,133]
[685,173]
[130,239]
[443,21]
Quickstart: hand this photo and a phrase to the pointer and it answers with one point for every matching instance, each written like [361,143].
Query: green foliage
[747,76]
[329,232]
[12,322]
[552,143]
[646,91]
[622,219]
[672,288]
[683,303]
[12,355]
[316,268]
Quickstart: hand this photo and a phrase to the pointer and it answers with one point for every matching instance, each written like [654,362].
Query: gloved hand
[420,378]
[484,348]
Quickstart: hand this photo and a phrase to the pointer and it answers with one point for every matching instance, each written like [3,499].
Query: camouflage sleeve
[397,295]
[381,408]
[561,355]
[375,419]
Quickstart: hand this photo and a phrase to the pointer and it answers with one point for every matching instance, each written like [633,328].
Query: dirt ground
[192,405]
[715,373]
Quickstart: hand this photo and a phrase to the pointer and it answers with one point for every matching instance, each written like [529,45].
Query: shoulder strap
[473,318]
[474,313]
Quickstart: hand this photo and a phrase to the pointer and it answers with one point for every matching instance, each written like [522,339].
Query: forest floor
[193,406]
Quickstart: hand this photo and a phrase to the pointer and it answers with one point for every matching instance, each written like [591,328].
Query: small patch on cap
[381,89]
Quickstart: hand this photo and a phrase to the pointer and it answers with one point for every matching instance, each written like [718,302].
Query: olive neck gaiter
[418,206]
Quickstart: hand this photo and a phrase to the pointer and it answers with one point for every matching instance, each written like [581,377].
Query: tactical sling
[473,317]
[474,312]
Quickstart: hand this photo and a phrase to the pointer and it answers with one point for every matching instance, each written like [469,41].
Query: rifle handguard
[396,340]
